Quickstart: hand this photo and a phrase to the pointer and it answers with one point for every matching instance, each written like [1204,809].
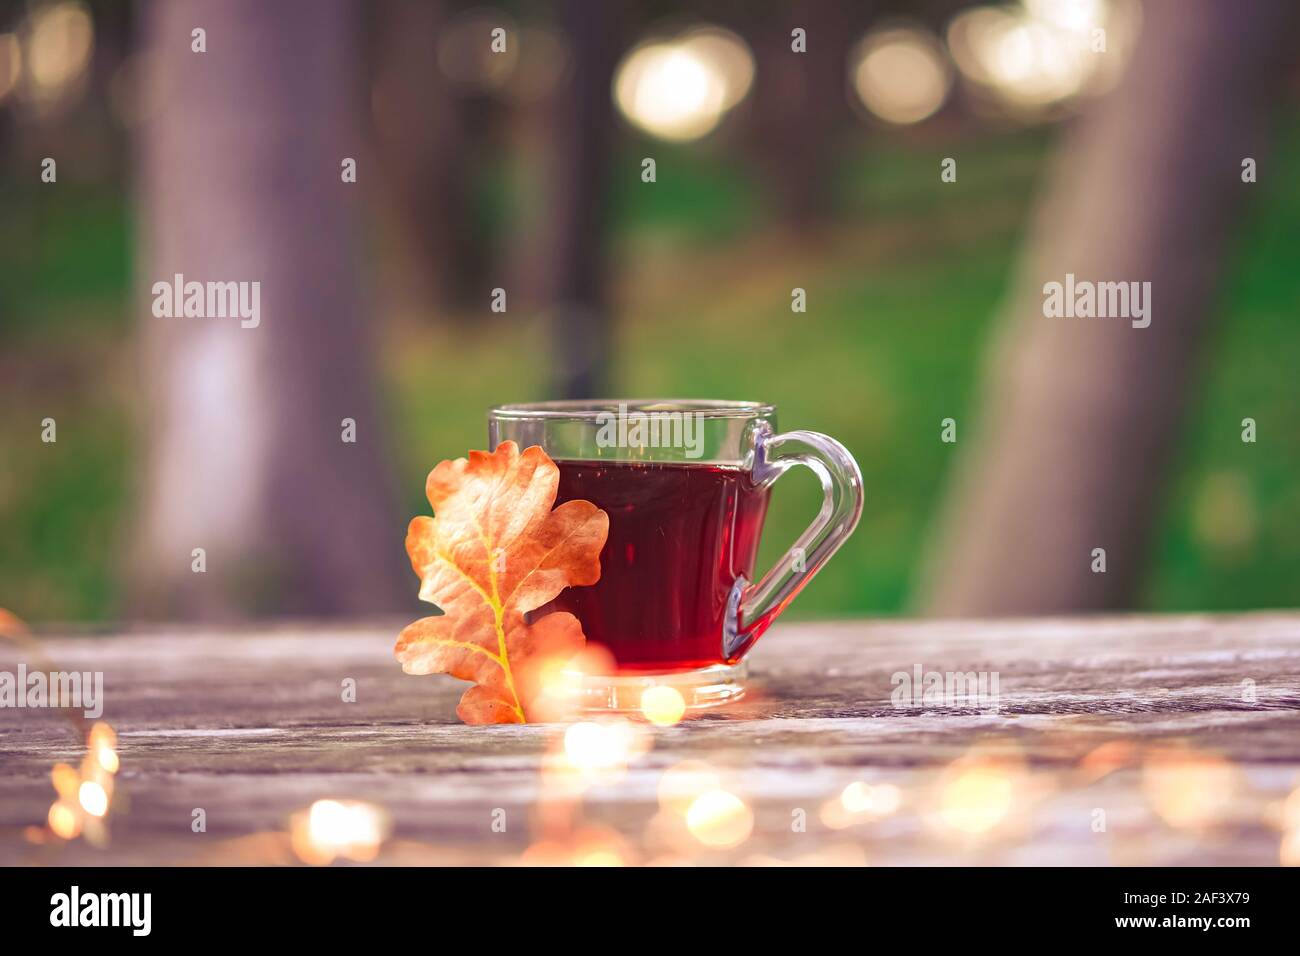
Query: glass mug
[686,486]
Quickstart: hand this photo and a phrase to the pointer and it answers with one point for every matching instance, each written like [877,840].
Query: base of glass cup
[701,688]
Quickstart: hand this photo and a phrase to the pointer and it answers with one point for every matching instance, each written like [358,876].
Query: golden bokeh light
[1075,16]
[544,853]
[978,798]
[669,92]
[558,690]
[103,747]
[588,846]
[728,56]
[85,794]
[1190,790]
[1289,851]
[60,43]
[901,74]
[603,748]
[1026,62]
[351,829]
[861,802]
[106,756]
[719,819]
[562,681]
[662,705]
[93,798]
[600,857]
[679,89]
[1034,56]
[594,660]
[64,821]
[878,800]
[66,780]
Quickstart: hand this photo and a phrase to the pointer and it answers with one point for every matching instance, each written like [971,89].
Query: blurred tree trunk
[572,245]
[240,181]
[425,133]
[1080,416]
[798,106]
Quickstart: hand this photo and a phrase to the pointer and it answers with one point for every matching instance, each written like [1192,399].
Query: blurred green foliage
[903,285]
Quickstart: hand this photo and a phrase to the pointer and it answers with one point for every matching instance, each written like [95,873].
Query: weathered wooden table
[1127,740]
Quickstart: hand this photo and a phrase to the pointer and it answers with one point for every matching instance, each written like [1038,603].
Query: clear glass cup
[686,486]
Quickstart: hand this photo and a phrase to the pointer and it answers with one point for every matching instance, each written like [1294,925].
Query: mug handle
[753,607]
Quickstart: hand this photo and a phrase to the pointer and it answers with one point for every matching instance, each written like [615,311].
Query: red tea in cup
[680,535]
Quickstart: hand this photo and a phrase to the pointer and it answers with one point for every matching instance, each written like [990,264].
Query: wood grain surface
[1197,720]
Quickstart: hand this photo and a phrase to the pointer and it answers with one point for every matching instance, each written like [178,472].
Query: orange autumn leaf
[11,625]
[494,551]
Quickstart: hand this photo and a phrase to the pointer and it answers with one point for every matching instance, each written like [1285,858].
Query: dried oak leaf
[11,625]
[493,552]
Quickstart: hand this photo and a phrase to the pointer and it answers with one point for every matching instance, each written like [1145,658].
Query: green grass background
[903,283]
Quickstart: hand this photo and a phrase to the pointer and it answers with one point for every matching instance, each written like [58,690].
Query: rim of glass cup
[592,409]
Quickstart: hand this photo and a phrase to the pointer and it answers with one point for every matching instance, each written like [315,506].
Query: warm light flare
[1190,790]
[93,798]
[901,74]
[66,780]
[602,857]
[719,819]
[85,793]
[352,829]
[1076,16]
[106,756]
[1289,852]
[878,800]
[59,47]
[603,747]
[861,802]
[679,89]
[102,746]
[662,705]
[1033,56]
[561,682]
[728,56]
[669,92]
[977,799]
[64,821]
[589,846]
